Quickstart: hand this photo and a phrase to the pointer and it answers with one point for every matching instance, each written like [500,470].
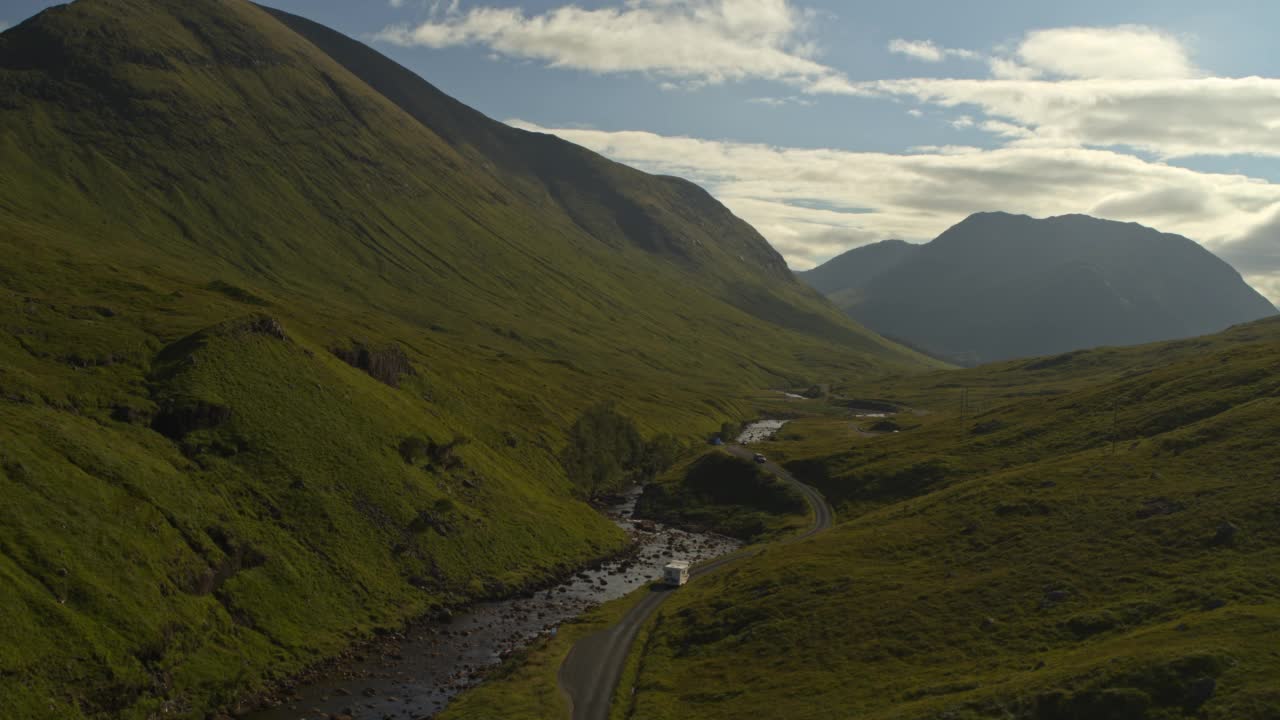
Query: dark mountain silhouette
[999,286]
[857,267]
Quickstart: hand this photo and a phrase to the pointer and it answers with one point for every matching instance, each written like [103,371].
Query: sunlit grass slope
[198,206]
[1013,564]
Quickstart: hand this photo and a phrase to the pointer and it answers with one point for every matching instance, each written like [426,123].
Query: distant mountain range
[999,286]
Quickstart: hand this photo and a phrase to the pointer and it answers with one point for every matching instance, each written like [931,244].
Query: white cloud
[1005,69]
[1168,117]
[944,149]
[702,41]
[779,101]
[920,50]
[1126,51]
[792,195]
[1117,87]
[928,51]
[1008,130]
[915,113]
[4,26]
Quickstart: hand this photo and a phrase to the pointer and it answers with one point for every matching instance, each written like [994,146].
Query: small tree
[729,431]
[605,451]
[659,454]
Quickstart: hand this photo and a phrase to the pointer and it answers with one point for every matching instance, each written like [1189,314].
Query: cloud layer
[1172,118]
[812,204]
[693,41]
[1130,87]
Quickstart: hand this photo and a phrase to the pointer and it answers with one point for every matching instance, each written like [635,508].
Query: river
[416,675]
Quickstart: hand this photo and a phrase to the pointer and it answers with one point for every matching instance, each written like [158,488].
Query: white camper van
[676,573]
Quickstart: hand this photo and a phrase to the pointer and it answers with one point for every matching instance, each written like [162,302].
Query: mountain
[290,343]
[999,286]
[612,202]
[855,268]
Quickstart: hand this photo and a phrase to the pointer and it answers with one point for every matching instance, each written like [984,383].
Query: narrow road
[591,672]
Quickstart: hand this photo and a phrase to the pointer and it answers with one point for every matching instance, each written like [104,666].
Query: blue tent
[717,441]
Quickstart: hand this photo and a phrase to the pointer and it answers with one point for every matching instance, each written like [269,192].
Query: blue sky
[831,124]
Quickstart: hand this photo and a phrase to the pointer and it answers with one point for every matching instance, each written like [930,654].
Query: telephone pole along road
[591,672]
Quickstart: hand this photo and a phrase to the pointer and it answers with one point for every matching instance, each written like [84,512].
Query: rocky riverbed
[415,674]
[760,431]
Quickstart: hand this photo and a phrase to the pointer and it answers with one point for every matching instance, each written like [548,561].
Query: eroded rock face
[131,414]
[176,419]
[386,364]
[238,556]
[263,325]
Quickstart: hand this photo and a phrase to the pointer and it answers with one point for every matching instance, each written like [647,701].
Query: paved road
[591,672]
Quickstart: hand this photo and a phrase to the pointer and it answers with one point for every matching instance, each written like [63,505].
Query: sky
[828,125]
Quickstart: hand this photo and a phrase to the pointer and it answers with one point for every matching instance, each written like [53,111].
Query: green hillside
[1099,540]
[283,362]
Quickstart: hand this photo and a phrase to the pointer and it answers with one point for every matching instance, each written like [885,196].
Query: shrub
[606,452]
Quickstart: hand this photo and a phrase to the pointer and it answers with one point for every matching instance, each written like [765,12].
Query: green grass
[170,173]
[1023,571]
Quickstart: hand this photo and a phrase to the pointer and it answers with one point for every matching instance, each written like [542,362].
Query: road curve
[590,674]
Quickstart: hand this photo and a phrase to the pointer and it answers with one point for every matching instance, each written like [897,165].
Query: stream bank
[414,674]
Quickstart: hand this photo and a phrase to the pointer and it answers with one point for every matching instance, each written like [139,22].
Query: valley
[1043,553]
[325,394]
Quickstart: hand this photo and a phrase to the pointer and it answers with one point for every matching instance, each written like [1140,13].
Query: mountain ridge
[993,286]
[850,269]
[520,151]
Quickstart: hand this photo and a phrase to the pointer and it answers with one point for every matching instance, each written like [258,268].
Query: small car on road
[760,458]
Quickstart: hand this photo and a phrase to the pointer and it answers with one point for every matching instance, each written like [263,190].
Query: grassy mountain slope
[999,286]
[198,207]
[1013,564]
[663,215]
